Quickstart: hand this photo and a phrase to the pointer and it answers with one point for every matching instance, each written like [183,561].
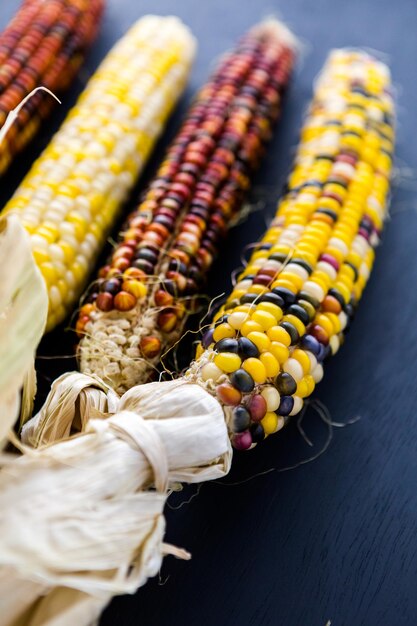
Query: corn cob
[71,196]
[137,308]
[44,44]
[294,301]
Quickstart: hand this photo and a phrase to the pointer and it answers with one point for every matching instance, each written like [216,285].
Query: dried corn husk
[23,310]
[62,568]
[95,528]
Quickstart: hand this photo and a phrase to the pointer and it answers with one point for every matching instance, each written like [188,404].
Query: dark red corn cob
[171,240]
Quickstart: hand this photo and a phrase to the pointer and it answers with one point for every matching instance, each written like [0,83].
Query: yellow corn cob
[292,303]
[71,196]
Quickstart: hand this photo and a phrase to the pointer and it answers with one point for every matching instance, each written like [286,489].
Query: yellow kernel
[302,389]
[335,321]
[249,327]
[283,282]
[270,422]
[76,218]
[277,333]
[280,249]
[280,352]
[40,256]
[302,358]
[63,288]
[69,252]
[293,319]
[271,364]
[274,309]
[310,383]
[135,287]
[49,273]
[344,291]
[47,234]
[199,351]
[305,386]
[78,272]
[223,331]
[28,226]
[295,280]
[237,294]
[227,361]
[261,341]
[242,308]
[325,323]
[265,319]
[256,369]
[322,278]
[258,289]
[80,230]
[218,315]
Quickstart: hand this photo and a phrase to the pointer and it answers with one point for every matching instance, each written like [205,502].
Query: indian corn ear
[72,195]
[136,310]
[43,45]
[292,304]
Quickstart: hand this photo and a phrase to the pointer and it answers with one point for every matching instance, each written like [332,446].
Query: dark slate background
[335,539]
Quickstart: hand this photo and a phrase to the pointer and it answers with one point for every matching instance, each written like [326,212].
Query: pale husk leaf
[95,527]
[23,311]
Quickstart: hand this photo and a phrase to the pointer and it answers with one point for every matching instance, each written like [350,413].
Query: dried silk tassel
[163,432]
[137,308]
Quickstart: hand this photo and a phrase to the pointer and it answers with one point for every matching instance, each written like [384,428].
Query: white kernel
[294,367]
[298,405]
[272,398]
[55,298]
[293,268]
[343,319]
[327,269]
[334,343]
[210,371]
[39,242]
[313,289]
[317,373]
[237,319]
[312,358]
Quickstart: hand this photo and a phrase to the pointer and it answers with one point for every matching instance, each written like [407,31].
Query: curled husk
[23,311]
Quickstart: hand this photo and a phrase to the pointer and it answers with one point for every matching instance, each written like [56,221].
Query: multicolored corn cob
[44,45]
[72,195]
[137,308]
[292,304]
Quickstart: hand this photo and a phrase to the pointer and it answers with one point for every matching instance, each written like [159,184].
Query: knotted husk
[23,311]
[83,517]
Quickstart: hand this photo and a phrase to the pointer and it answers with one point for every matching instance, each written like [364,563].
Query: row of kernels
[313,303]
[47,47]
[78,216]
[200,182]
